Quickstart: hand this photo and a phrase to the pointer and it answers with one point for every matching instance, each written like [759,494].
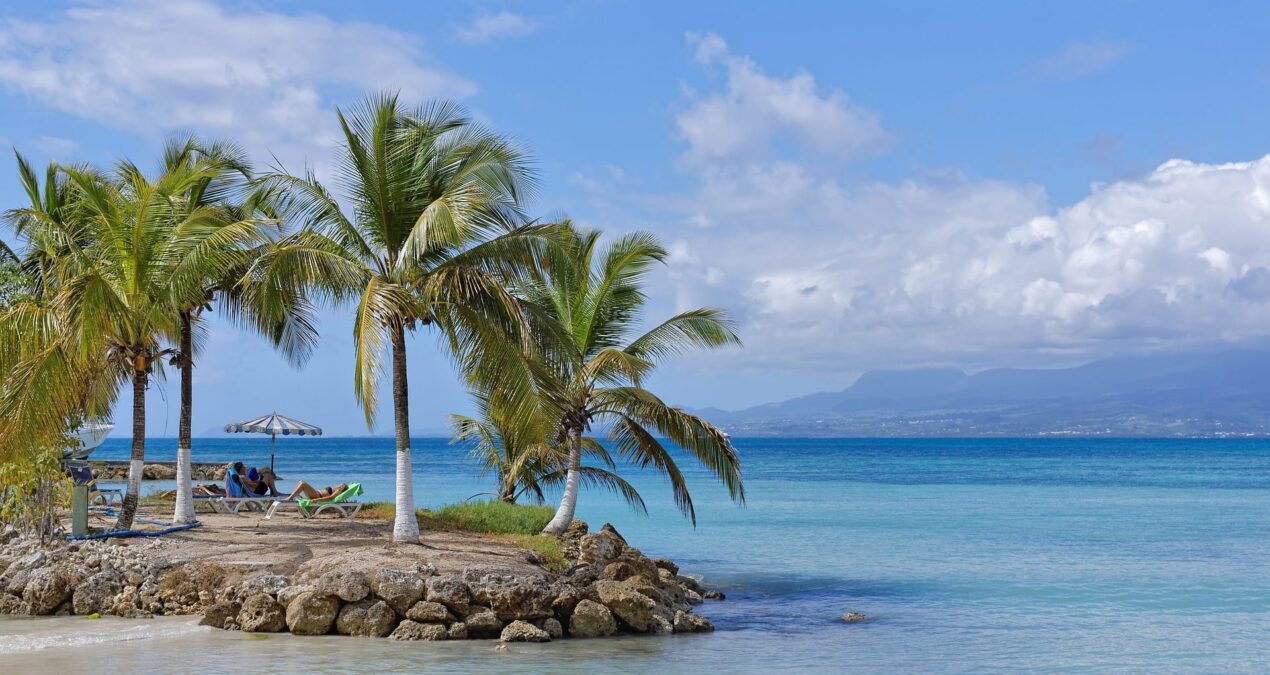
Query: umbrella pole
[273,444]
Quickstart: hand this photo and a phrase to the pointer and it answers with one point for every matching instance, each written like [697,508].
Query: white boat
[90,435]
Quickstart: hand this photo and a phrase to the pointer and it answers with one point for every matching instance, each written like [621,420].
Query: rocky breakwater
[610,588]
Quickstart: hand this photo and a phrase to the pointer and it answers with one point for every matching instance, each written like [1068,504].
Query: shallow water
[1076,555]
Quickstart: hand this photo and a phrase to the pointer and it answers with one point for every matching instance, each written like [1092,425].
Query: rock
[667,565]
[158,472]
[601,548]
[97,593]
[458,631]
[400,589]
[591,619]
[367,618]
[564,603]
[483,622]
[287,595]
[10,604]
[553,628]
[426,611]
[511,597]
[714,595]
[347,585]
[694,598]
[690,584]
[523,631]
[660,625]
[311,614]
[221,612]
[571,538]
[414,630]
[451,592]
[686,622]
[266,582]
[633,609]
[261,614]
[46,588]
[854,617]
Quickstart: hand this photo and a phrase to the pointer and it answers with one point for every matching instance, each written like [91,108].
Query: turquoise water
[973,555]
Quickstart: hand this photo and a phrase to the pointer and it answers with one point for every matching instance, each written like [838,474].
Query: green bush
[489,517]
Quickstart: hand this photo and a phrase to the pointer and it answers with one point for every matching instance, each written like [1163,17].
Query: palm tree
[219,266]
[116,261]
[522,453]
[591,365]
[430,240]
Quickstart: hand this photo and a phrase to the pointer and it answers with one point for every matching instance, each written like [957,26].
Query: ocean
[1074,555]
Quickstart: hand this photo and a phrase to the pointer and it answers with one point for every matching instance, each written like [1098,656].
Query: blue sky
[1009,184]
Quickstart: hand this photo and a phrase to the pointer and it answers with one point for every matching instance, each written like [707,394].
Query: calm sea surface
[973,555]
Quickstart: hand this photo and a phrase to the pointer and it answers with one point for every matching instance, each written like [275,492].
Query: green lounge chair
[341,503]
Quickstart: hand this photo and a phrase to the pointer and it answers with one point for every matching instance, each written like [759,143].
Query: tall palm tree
[521,451]
[217,266]
[430,239]
[592,364]
[117,272]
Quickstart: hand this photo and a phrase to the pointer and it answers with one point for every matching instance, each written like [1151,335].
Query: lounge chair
[82,474]
[341,503]
[237,497]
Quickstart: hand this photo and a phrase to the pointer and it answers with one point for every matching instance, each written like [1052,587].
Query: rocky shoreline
[118,470]
[609,588]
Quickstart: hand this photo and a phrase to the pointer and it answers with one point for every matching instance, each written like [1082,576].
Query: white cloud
[55,146]
[488,27]
[756,110]
[1080,59]
[266,78]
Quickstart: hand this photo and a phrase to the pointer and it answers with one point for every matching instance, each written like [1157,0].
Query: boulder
[425,611]
[690,584]
[266,582]
[414,630]
[571,538]
[367,618]
[632,608]
[46,588]
[601,548]
[854,617]
[693,597]
[553,628]
[347,585]
[668,565]
[10,604]
[686,622]
[458,631]
[221,612]
[511,597]
[290,593]
[400,589]
[591,619]
[482,622]
[451,592]
[660,625]
[523,631]
[564,603]
[261,614]
[311,614]
[714,595]
[97,593]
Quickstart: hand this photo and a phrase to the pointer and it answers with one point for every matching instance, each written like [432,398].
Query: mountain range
[1199,394]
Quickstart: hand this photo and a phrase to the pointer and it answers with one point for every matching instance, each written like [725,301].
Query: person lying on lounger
[303,489]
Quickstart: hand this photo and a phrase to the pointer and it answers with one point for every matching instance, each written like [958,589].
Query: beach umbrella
[274,425]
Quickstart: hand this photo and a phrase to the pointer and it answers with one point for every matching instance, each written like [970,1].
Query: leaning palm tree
[216,261]
[114,279]
[430,239]
[590,364]
[521,451]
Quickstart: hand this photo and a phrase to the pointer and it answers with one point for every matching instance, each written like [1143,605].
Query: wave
[104,631]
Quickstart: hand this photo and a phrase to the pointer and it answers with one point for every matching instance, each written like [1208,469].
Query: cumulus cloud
[756,109]
[1080,59]
[487,27]
[972,272]
[265,77]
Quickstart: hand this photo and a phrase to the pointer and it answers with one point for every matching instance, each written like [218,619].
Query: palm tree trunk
[405,527]
[129,508]
[184,488]
[568,502]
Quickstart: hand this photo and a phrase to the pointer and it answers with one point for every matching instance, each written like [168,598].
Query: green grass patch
[377,511]
[490,517]
[546,546]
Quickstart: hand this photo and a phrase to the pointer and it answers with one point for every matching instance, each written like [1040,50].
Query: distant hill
[1209,394]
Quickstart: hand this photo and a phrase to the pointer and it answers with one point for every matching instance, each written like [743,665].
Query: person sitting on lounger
[303,489]
[258,482]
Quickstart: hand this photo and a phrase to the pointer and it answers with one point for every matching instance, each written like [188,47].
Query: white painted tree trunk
[569,501]
[184,487]
[405,526]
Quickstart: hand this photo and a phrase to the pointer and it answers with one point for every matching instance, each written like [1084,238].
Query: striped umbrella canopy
[275,425]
